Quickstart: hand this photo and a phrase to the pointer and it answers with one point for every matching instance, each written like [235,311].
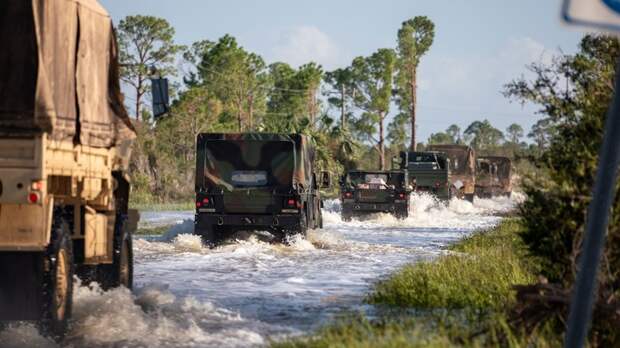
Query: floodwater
[249,291]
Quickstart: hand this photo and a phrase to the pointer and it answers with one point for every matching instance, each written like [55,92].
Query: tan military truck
[462,169]
[493,176]
[65,142]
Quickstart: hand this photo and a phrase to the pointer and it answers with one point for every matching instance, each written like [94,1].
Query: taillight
[348,194]
[291,202]
[205,200]
[437,184]
[33,197]
[198,204]
[401,195]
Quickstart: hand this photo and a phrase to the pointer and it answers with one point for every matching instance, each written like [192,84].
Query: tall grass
[478,273]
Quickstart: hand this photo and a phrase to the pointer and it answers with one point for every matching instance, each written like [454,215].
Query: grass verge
[460,298]
[175,206]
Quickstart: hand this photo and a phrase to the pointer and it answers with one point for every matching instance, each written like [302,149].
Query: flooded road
[249,291]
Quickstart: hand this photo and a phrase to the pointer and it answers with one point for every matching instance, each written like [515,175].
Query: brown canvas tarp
[462,158]
[59,72]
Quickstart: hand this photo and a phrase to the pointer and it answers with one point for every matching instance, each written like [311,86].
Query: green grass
[459,299]
[359,332]
[478,273]
[189,205]
[158,230]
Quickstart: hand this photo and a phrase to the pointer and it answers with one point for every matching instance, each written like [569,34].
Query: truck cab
[428,172]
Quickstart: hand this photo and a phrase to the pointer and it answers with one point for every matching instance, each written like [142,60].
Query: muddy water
[250,291]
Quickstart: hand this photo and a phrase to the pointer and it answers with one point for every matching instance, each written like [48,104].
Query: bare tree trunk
[251,112]
[381,143]
[138,97]
[343,123]
[412,110]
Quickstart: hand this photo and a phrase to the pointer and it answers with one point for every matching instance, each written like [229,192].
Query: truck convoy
[366,192]
[256,182]
[428,172]
[493,176]
[65,141]
[462,164]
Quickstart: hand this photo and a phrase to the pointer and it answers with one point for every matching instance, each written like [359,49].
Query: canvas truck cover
[504,170]
[59,72]
[253,159]
[462,158]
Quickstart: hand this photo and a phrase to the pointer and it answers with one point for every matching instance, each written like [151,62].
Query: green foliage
[478,277]
[145,42]
[440,138]
[415,38]
[483,135]
[237,78]
[373,86]
[359,332]
[574,92]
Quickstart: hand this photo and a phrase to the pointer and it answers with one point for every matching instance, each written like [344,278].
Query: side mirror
[326,180]
[161,97]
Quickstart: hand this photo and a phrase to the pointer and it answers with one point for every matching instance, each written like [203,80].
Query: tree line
[222,87]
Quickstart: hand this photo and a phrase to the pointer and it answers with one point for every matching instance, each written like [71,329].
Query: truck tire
[120,272]
[58,279]
[401,214]
[469,197]
[214,236]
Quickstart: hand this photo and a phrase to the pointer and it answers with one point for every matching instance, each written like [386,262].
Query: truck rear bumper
[373,207]
[246,221]
[21,286]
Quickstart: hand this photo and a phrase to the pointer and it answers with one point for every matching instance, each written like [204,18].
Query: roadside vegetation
[461,298]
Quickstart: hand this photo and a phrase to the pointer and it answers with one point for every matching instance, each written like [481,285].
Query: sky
[480,45]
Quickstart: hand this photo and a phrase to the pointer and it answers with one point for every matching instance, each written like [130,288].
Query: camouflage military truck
[256,181]
[462,169]
[493,176]
[366,192]
[65,141]
[428,172]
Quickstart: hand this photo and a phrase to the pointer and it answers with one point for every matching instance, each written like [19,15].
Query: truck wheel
[401,214]
[346,216]
[58,279]
[214,236]
[469,197]
[120,272]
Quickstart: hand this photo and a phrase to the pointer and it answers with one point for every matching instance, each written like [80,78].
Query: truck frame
[282,210]
[64,188]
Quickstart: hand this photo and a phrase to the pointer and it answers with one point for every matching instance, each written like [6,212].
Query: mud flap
[21,285]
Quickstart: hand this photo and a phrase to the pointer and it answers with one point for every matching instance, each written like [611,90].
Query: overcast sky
[479,44]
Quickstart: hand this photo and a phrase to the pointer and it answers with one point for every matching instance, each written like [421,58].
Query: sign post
[603,15]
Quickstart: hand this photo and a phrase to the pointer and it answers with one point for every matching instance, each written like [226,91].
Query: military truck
[256,182]
[462,169]
[428,172]
[367,192]
[65,141]
[493,176]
